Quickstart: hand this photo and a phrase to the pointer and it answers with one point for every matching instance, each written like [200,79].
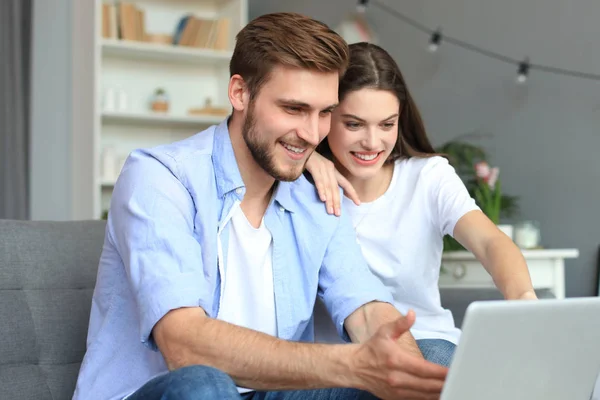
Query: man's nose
[310,131]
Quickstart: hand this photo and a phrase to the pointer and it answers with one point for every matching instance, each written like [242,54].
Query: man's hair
[286,39]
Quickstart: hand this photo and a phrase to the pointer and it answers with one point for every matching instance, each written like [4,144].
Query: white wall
[545,137]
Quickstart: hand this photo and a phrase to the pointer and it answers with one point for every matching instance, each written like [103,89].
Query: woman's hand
[328,180]
[528,295]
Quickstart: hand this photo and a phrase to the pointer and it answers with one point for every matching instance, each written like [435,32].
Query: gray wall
[61,185]
[544,136]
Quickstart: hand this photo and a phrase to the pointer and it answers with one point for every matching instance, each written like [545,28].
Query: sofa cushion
[47,276]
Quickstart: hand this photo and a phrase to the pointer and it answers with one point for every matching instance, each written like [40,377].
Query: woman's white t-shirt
[401,236]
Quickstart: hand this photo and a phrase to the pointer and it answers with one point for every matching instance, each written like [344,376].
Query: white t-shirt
[401,237]
[248,298]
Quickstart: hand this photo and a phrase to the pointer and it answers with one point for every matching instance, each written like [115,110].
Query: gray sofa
[47,276]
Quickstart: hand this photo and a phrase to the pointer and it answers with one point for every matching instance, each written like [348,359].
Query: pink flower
[493,177]
[482,170]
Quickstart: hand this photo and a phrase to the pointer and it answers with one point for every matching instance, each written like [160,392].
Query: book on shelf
[123,21]
[110,28]
[205,33]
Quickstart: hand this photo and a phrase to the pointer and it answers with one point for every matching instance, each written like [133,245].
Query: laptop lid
[546,349]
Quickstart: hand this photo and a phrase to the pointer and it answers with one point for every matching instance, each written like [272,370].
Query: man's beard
[264,156]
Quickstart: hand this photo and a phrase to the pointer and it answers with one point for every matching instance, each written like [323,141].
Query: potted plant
[159,101]
[471,165]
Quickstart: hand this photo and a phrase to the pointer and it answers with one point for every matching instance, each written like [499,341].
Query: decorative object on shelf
[115,100]
[109,100]
[208,109]
[159,101]
[527,235]
[122,100]
[507,229]
[464,156]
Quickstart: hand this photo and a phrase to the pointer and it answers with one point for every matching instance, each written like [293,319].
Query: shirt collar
[228,173]
[224,162]
[283,196]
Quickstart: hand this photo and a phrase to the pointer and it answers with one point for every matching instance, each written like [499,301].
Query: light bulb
[523,71]
[361,7]
[435,40]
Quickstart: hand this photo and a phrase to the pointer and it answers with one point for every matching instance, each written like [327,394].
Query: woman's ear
[238,93]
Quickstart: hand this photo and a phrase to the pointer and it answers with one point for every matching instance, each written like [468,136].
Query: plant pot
[160,106]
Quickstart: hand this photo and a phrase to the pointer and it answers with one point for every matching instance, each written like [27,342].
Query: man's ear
[239,96]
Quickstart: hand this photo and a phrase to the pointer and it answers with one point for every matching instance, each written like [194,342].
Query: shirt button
[238,190]
[281,209]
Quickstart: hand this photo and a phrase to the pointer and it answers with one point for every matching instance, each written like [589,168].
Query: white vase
[507,229]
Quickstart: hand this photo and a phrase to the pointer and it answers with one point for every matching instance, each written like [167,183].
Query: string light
[524,67]
[362,6]
[436,39]
[523,71]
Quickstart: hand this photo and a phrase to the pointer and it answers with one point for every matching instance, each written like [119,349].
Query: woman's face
[364,131]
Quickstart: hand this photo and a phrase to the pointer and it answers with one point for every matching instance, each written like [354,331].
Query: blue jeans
[438,351]
[200,382]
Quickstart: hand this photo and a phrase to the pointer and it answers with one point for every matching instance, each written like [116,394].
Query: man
[216,247]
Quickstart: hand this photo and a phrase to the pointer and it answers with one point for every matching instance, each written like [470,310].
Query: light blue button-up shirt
[161,253]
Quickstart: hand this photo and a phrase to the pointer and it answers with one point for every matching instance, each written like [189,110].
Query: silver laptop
[512,350]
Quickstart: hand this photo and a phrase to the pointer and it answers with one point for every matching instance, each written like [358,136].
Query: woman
[410,198]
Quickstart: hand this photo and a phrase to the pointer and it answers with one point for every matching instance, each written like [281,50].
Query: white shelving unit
[141,51]
[133,70]
[164,120]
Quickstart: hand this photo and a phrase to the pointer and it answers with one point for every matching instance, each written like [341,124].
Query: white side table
[461,270]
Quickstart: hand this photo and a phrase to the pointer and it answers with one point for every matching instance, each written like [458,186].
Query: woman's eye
[389,125]
[352,125]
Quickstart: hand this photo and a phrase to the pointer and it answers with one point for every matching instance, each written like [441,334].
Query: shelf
[161,119]
[162,52]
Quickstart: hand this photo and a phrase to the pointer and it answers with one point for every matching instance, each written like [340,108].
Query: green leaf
[463,156]
[450,244]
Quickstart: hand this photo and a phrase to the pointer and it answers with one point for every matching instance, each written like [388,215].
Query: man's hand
[385,369]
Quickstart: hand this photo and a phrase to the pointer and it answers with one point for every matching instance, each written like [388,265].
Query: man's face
[288,118]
